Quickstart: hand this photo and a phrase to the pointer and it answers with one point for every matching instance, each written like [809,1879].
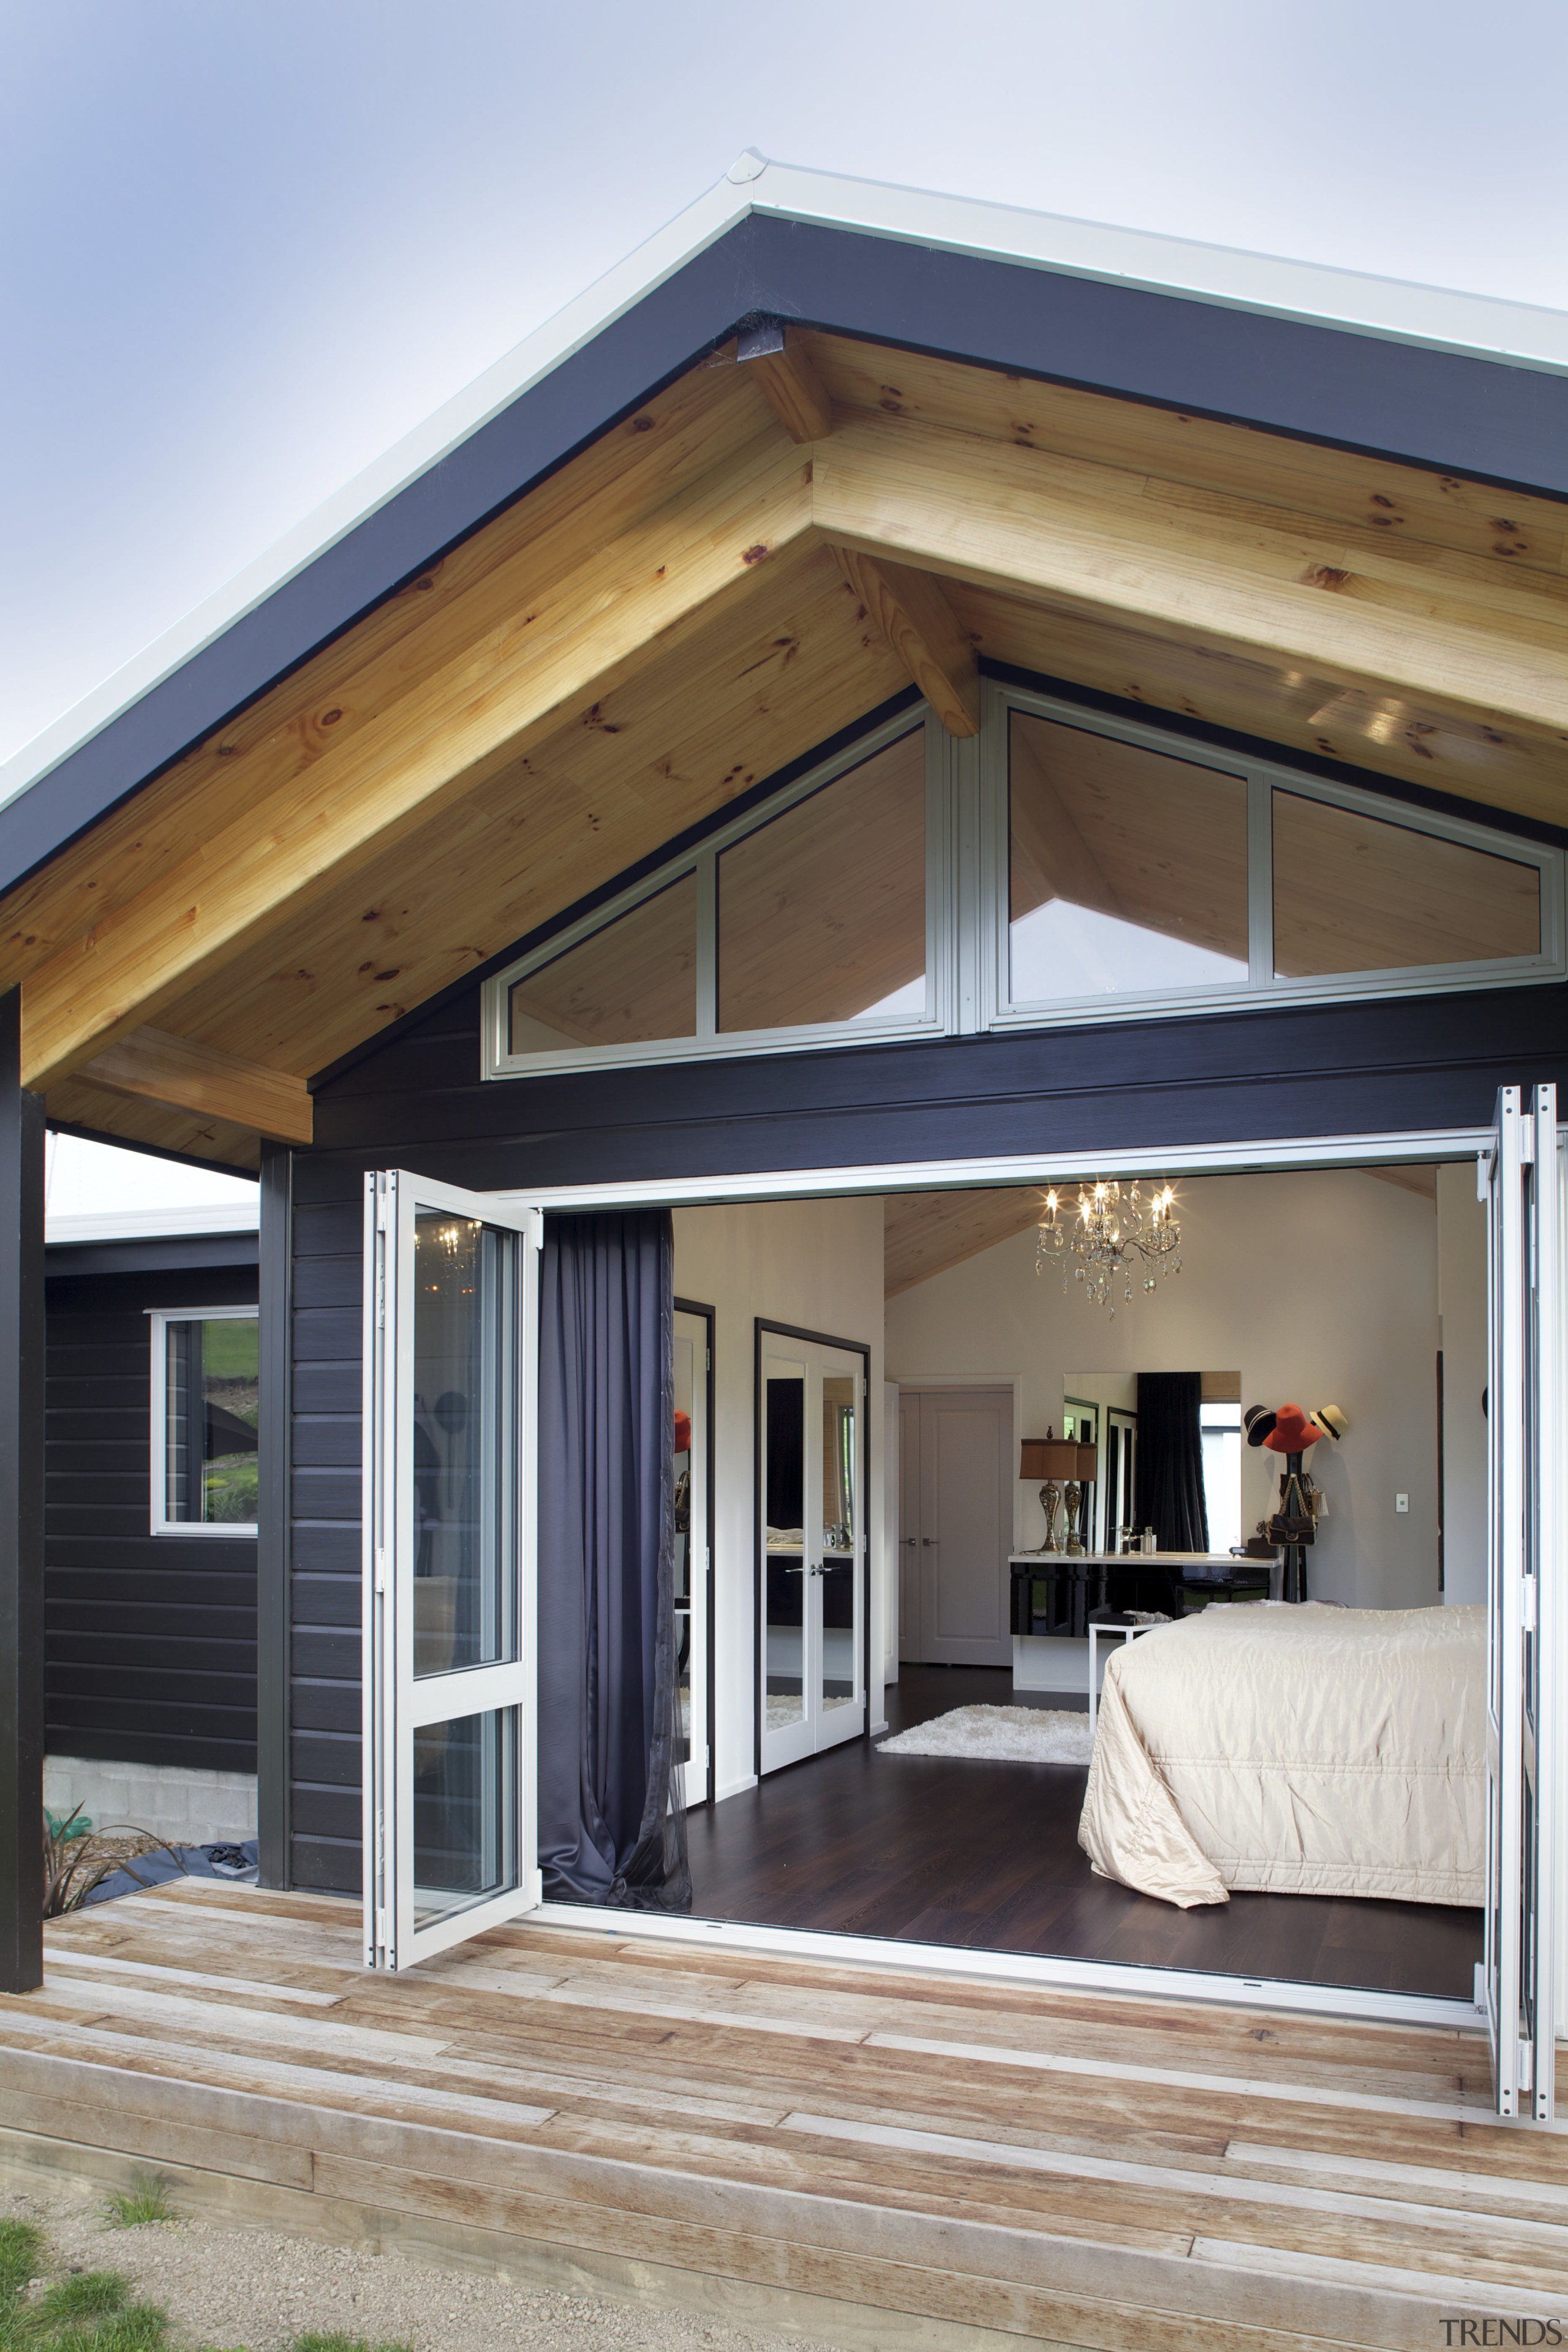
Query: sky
[245,245]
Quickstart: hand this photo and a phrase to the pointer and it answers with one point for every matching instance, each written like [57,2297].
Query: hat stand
[1293,1505]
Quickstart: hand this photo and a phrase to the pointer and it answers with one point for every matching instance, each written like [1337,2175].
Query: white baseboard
[734,1788]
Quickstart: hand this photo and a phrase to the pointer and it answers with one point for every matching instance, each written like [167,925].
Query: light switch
[1401,1502]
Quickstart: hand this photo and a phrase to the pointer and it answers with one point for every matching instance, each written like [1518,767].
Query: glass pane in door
[839,1530]
[784,1559]
[464,1812]
[466,1433]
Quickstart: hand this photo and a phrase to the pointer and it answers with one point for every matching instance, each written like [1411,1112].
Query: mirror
[1101,1409]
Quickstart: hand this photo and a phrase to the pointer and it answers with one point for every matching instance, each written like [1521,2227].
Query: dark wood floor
[950,1852]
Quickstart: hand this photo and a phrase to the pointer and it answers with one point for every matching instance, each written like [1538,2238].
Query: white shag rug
[1003,1735]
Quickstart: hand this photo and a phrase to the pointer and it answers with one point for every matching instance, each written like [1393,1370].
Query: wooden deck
[873,2158]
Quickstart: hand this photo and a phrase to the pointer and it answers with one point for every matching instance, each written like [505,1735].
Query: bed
[1305,1751]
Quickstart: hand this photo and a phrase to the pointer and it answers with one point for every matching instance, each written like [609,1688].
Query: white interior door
[451,1352]
[814,1548]
[692,1550]
[1520,1183]
[965,1527]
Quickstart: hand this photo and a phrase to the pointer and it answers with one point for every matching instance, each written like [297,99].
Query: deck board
[993,2160]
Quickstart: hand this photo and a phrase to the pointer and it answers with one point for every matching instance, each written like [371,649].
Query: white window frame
[158,1321]
[1260,989]
[711,1042]
[968,986]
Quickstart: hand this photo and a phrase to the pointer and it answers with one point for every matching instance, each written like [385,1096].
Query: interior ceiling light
[1112,1234]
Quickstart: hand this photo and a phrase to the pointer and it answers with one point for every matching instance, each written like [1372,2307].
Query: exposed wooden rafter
[917,621]
[1377,614]
[189,1075]
[778,365]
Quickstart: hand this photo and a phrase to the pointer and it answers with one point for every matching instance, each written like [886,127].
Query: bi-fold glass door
[450,1382]
[811,1545]
[1522,1184]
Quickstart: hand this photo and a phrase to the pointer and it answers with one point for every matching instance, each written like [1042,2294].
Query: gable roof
[1443,380]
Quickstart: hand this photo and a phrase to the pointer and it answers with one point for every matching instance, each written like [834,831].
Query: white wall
[1321,1287]
[817,1264]
[1462,1310]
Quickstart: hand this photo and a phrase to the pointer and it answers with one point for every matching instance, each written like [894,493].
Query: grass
[128,2208]
[96,2311]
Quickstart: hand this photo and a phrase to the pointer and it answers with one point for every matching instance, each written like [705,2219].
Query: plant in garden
[77,1859]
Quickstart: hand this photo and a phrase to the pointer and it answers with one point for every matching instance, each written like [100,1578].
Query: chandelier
[1115,1236]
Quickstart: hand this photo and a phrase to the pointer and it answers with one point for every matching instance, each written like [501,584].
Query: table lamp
[1052,1459]
[1084,1474]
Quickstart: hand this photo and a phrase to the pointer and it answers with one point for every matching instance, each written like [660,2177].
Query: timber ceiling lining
[674,615]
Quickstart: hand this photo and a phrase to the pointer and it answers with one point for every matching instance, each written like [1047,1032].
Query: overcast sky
[246,244]
[249,243]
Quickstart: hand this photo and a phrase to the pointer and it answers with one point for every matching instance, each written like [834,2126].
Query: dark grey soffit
[157,1253]
[1437,409]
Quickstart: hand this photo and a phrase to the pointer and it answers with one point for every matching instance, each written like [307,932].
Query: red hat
[683,1433]
[1292,1432]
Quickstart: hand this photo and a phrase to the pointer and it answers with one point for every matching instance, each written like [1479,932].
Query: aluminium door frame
[709,1315]
[395,1701]
[861,1347]
[1371,1149]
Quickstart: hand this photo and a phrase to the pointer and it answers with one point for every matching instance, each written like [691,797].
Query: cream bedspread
[1294,1751]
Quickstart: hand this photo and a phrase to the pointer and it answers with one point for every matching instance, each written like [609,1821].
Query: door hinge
[379,1572]
[1529,1604]
[1525,2069]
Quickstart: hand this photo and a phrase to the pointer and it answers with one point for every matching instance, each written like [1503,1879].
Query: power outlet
[1401,1502]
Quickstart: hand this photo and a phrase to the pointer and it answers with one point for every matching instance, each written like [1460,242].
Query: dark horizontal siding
[327,1276]
[150,1641]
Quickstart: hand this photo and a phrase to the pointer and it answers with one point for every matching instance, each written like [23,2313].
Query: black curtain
[612,1823]
[1171,1461]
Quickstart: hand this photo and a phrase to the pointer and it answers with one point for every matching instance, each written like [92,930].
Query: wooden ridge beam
[911,612]
[1358,610]
[778,364]
[456,730]
[190,1076]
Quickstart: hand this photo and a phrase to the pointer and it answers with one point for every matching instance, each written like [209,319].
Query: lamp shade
[1048,1458]
[1087,1464]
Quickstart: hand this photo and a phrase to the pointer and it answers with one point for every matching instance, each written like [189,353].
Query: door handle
[814,1571]
[909,1540]
[927,1539]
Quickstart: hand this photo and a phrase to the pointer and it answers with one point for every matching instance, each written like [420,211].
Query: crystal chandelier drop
[1116,1235]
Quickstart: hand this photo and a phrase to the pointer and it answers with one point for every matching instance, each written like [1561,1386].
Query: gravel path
[256,2288]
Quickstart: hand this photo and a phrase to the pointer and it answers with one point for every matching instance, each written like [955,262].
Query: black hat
[1259,1420]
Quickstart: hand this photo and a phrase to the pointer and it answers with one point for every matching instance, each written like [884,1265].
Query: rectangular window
[822,913]
[1354,893]
[1127,869]
[205,1422]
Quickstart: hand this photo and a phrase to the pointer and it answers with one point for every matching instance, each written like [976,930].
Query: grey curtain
[612,1823]
[1171,1460]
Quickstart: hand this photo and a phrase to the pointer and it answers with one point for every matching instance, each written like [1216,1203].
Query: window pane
[784,1538]
[1354,894]
[1127,870]
[465,1442]
[822,913]
[839,1546]
[636,979]
[464,1812]
[211,1396]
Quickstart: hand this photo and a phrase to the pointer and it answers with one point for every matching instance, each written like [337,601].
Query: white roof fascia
[1516,333]
[155,1224]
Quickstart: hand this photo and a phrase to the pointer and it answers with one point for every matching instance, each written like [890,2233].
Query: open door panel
[450,1368]
[1522,1184]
